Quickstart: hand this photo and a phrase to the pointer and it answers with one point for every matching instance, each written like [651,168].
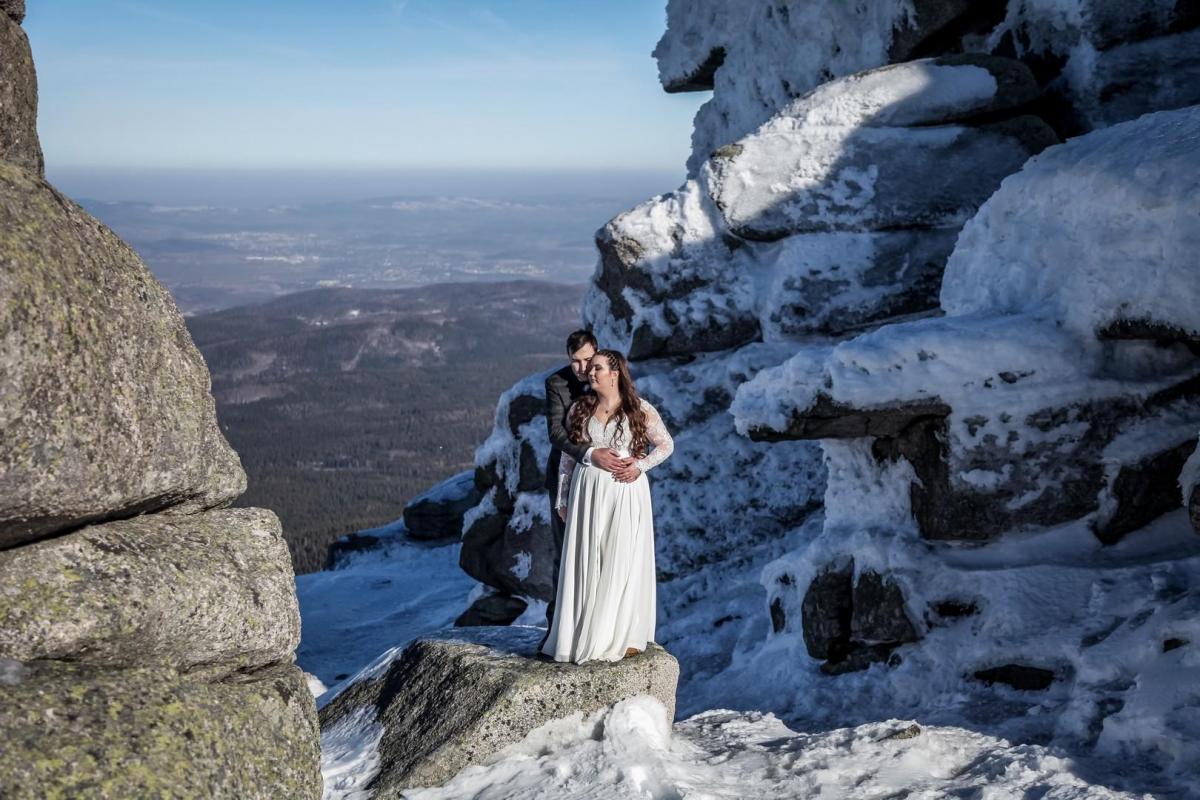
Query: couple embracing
[603,440]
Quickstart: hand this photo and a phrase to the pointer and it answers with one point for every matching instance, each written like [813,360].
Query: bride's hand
[628,473]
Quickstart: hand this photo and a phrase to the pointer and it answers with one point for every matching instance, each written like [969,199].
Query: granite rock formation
[146,632]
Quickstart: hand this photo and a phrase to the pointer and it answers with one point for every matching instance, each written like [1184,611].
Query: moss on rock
[71,731]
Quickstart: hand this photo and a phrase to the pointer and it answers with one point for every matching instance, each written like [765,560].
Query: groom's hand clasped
[622,469]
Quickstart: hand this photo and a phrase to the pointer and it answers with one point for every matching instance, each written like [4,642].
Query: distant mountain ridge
[344,403]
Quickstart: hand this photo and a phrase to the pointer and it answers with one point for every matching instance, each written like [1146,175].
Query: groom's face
[579,361]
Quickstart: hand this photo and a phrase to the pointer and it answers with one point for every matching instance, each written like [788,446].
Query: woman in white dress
[606,594]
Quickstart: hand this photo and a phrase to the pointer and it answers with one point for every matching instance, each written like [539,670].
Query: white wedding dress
[606,587]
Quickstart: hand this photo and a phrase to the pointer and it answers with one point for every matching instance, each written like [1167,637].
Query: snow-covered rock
[880,150]
[1108,232]
[443,704]
[1043,421]
[1136,78]
[776,183]
[438,513]
[758,55]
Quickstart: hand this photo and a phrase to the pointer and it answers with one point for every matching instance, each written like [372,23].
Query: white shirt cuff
[587,457]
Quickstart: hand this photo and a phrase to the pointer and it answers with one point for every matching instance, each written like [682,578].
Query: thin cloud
[263,44]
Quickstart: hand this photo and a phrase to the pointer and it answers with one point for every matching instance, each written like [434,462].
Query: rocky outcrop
[838,212]
[438,513]
[72,730]
[18,94]
[146,632]
[511,555]
[106,410]
[444,704]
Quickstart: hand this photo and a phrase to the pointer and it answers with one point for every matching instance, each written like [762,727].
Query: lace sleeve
[566,468]
[659,436]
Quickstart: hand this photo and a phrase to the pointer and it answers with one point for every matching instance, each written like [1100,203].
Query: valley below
[345,403]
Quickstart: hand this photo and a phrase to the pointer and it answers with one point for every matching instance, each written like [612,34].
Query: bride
[605,605]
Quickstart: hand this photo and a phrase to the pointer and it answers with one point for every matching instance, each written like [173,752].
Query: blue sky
[362,83]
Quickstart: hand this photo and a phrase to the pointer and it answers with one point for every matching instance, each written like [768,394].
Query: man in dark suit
[563,388]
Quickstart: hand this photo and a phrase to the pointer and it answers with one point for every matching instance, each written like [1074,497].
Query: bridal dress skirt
[606,590]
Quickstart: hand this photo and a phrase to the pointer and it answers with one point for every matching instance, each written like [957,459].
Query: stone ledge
[210,588]
[450,702]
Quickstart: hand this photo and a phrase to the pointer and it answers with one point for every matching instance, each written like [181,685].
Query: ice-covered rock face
[1108,232]
[1065,370]
[1108,60]
[758,55]
[838,212]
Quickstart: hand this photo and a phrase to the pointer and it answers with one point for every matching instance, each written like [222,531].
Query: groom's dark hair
[580,339]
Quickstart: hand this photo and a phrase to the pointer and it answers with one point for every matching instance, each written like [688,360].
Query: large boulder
[446,703]
[105,409]
[207,588]
[668,283]
[71,730]
[884,149]
[438,513]
[854,621]
[780,182]
[18,94]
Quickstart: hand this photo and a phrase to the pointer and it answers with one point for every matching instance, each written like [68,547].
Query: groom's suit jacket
[562,389]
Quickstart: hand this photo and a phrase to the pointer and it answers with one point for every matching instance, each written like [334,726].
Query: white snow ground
[629,751]
[1103,613]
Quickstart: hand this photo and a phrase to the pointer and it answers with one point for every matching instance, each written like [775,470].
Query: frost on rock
[1109,227]
[756,56]
[507,542]
[1014,409]
[881,150]
[829,218]
[667,282]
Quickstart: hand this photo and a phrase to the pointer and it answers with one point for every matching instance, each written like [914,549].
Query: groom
[563,388]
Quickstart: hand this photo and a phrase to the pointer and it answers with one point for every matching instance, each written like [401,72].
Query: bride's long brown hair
[630,411]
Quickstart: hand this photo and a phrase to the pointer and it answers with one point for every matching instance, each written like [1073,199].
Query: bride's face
[602,377]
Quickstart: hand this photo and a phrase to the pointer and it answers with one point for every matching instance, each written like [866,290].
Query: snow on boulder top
[770,53]
[922,92]
[1103,228]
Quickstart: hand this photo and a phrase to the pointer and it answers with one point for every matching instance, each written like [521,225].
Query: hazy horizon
[221,238]
[265,186]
